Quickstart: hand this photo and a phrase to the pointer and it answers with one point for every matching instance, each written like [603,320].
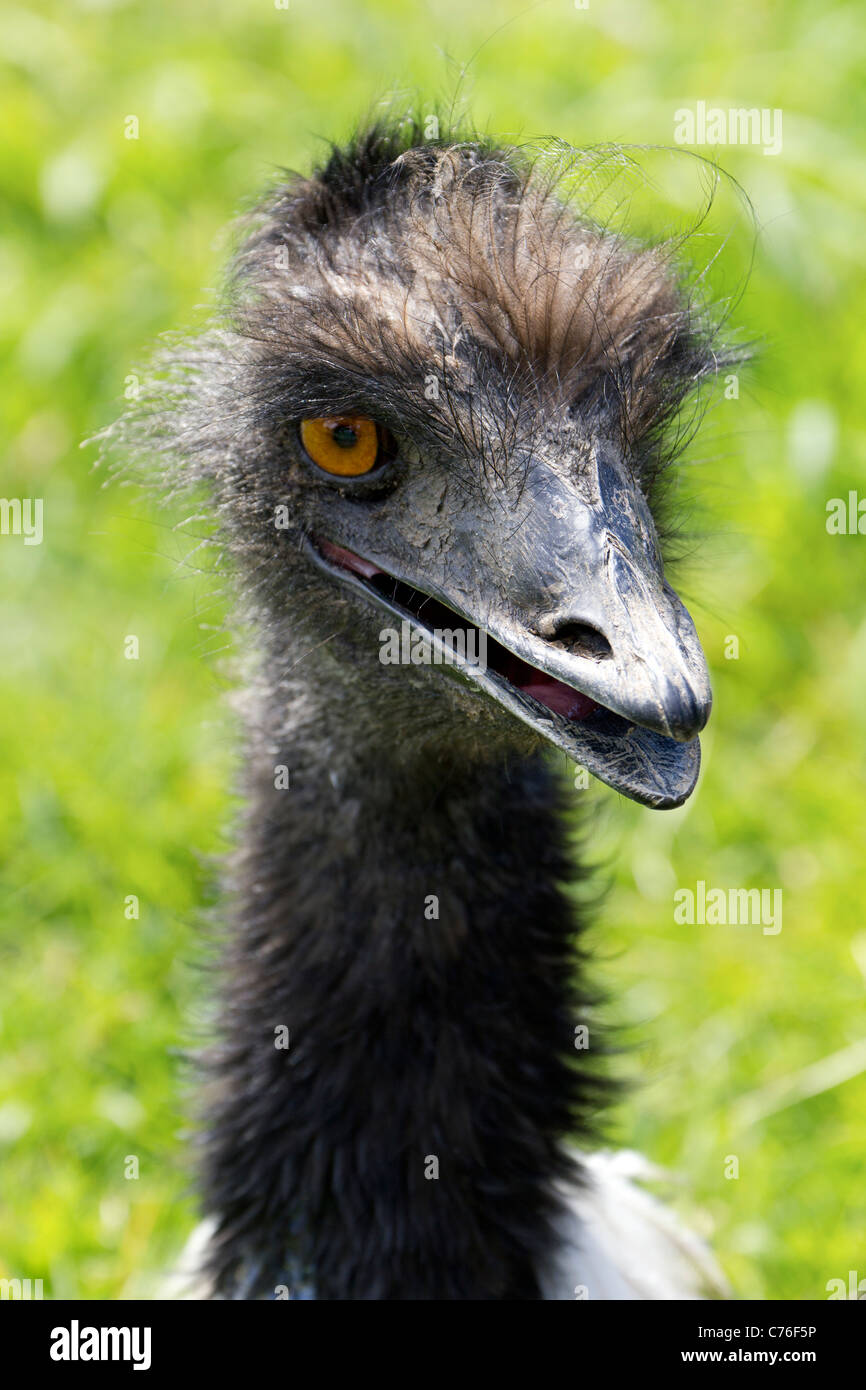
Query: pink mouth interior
[555,695]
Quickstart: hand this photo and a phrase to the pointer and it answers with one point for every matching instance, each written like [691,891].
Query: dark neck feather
[410,929]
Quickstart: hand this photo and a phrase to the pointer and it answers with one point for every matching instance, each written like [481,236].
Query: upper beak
[584,597]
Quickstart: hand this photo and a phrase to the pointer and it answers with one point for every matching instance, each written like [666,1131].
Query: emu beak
[585,606]
[585,603]
[581,636]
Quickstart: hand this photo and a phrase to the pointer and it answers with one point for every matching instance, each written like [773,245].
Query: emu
[439,396]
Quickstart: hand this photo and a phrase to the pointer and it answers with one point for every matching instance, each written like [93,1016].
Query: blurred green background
[114,772]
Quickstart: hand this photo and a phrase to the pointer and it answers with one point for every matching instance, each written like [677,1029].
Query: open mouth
[434,616]
[642,763]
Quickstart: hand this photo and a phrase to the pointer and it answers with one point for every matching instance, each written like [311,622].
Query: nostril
[581,639]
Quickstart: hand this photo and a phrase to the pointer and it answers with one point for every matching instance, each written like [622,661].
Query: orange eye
[347,445]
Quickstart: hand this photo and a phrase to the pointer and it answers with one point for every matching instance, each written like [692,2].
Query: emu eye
[346,445]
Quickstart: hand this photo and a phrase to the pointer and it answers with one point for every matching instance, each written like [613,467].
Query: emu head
[442,400]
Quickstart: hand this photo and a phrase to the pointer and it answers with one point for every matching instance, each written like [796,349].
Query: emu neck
[412,937]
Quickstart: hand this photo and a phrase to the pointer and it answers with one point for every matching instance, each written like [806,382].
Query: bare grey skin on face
[439,395]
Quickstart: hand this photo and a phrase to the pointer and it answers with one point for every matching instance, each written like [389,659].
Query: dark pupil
[344,437]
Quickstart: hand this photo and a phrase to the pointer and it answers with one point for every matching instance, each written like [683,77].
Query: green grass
[113,773]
